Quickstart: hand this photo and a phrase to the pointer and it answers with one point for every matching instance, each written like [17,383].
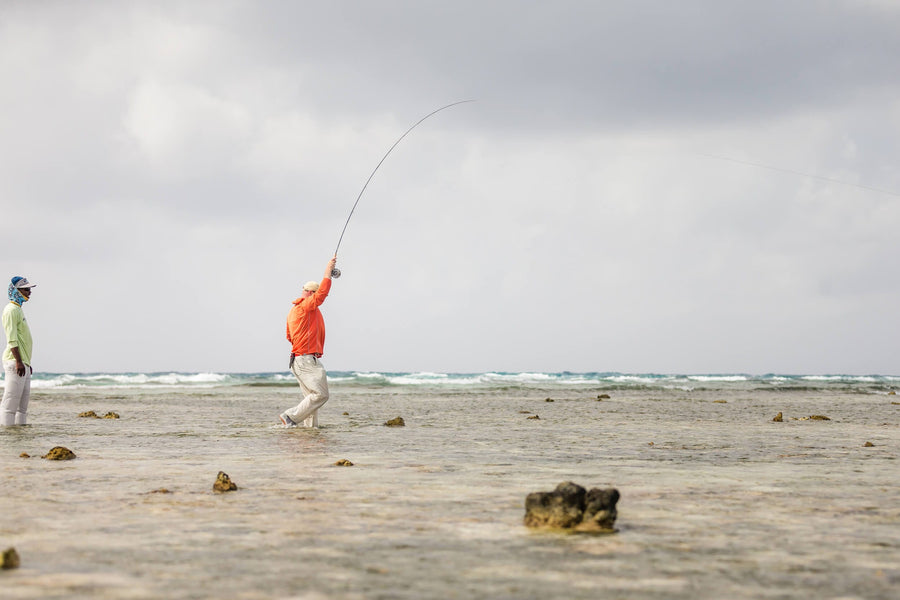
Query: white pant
[16,393]
[310,374]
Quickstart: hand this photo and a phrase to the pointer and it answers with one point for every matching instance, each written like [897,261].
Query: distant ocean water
[717,499]
[479,381]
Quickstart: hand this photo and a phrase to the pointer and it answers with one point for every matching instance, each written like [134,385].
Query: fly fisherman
[17,356]
[306,333]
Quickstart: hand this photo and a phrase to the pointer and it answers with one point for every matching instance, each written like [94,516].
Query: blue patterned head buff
[13,292]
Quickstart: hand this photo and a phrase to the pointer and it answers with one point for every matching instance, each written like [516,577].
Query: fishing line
[802,174]
[337,272]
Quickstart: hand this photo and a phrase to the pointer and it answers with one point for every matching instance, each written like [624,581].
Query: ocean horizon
[870,383]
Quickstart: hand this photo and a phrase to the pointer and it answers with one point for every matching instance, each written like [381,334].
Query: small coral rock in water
[59,453]
[343,463]
[89,414]
[533,417]
[869,445]
[223,483]
[570,506]
[396,422]
[9,559]
[111,415]
[778,418]
[24,455]
[815,418]
[602,396]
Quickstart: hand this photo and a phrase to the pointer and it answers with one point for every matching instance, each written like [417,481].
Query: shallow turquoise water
[717,500]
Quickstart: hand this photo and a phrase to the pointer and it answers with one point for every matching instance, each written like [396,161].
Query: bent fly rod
[337,272]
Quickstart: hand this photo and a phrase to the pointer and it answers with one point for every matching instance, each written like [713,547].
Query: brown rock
[817,418]
[570,506]
[111,415]
[9,559]
[603,397]
[778,418]
[89,414]
[343,463]
[720,401]
[24,455]
[561,509]
[396,422]
[599,510]
[59,453]
[549,400]
[868,445]
[533,417]
[223,483]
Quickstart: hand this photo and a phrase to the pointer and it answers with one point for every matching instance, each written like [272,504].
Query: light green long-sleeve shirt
[18,335]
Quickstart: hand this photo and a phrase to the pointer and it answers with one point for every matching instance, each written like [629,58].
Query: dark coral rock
[59,453]
[223,483]
[395,422]
[570,506]
[9,559]
[599,510]
[561,508]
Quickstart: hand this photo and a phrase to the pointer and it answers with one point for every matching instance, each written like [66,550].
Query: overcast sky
[640,186]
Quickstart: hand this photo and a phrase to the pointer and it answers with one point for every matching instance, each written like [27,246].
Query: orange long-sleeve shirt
[305,325]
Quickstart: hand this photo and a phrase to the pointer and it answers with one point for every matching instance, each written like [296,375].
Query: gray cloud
[199,159]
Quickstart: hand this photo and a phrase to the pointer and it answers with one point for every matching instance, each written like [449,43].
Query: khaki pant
[16,393]
[310,374]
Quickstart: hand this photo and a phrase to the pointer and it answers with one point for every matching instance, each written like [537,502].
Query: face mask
[15,295]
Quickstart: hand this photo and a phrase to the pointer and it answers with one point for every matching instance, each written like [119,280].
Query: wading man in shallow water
[17,356]
[306,333]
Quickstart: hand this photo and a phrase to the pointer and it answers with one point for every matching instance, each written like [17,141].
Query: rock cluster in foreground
[570,506]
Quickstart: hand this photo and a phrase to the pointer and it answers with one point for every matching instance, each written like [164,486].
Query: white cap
[21,282]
